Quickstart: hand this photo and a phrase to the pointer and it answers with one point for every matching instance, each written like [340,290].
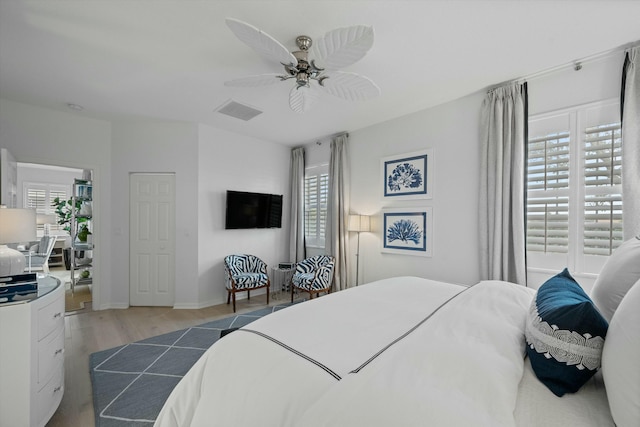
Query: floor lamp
[359,223]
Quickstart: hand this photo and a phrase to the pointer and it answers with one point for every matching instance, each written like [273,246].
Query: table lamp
[16,226]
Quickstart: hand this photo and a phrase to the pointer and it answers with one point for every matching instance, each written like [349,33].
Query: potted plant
[63,209]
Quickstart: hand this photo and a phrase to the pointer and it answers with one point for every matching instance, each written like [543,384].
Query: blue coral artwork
[407,231]
[408,175]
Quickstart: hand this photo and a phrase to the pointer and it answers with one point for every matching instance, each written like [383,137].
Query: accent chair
[41,253]
[245,273]
[313,275]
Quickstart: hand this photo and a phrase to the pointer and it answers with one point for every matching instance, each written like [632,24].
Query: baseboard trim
[117,306]
[196,306]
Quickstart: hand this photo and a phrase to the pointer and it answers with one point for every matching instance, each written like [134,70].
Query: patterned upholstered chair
[313,275]
[244,273]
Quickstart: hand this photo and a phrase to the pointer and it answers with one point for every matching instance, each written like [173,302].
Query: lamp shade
[359,223]
[46,219]
[17,225]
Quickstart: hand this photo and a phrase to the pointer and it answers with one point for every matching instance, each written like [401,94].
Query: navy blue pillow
[565,335]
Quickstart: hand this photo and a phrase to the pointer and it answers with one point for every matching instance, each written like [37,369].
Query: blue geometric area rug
[132,382]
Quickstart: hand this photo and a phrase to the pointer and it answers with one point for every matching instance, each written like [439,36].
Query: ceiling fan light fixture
[336,49]
[303,42]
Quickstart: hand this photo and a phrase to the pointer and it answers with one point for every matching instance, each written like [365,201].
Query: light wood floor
[88,331]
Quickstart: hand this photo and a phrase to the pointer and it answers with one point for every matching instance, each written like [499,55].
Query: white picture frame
[408,231]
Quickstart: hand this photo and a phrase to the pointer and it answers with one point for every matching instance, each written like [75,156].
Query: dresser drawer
[50,355]
[48,398]
[51,316]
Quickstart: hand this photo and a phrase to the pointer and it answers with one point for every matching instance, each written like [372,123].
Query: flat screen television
[253,210]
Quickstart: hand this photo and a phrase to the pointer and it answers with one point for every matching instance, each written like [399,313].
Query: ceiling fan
[314,67]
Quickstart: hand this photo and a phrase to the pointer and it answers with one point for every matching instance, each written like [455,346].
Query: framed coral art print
[408,231]
[408,176]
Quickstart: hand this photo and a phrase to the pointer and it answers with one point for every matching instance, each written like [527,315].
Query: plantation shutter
[311,206]
[603,189]
[548,193]
[36,199]
[62,194]
[323,200]
[41,196]
[316,198]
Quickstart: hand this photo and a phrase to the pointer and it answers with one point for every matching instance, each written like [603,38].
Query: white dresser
[32,356]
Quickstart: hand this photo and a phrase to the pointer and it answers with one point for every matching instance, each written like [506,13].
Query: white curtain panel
[297,250]
[336,239]
[502,191]
[631,144]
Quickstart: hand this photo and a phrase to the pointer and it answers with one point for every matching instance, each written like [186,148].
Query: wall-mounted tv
[253,210]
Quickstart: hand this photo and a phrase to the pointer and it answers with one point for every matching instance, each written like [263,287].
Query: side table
[280,281]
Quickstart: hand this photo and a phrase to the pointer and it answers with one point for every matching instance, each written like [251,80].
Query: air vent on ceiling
[237,110]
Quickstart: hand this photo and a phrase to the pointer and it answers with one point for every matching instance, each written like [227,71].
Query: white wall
[205,161]
[44,136]
[155,146]
[229,161]
[597,80]
[452,131]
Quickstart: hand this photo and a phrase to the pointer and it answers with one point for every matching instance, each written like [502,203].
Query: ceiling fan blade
[342,47]
[301,99]
[261,42]
[254,81]
[350,86]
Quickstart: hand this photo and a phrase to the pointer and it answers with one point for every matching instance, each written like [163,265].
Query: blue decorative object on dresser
[18,285]
[565,334]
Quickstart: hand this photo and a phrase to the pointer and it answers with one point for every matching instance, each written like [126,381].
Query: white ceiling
[169,59]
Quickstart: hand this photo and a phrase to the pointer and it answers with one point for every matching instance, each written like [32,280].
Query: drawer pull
[58,314]
[57,389]
[58,351]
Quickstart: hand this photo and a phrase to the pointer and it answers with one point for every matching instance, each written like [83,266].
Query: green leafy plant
[63,209]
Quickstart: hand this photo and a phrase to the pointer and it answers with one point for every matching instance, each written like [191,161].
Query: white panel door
[152,239]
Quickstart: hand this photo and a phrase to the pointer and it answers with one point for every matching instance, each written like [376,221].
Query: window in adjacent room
[40,196]
[316,192]
[574,192]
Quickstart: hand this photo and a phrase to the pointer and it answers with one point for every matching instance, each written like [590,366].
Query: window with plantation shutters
[574,193]
[316,193]
[41,196]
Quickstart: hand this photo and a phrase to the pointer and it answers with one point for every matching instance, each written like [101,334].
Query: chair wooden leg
[248,295]
[228,296]
[267,293]
[234,301]
[292,294]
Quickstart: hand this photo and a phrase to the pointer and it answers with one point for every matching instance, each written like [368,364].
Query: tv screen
[253,210]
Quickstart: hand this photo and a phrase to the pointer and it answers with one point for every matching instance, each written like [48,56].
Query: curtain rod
[576,64]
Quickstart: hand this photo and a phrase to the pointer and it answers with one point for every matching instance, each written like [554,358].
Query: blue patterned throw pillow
[565,335]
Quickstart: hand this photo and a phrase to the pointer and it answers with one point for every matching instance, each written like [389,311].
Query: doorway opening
[49,190]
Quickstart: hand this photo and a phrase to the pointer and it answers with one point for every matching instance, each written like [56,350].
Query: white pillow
[621,361]
[619,273]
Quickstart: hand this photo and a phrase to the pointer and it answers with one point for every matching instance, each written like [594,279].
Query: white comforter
[398,352]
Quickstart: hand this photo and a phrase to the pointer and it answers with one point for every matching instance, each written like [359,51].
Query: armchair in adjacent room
[245,273]
[314,275]
[41,253]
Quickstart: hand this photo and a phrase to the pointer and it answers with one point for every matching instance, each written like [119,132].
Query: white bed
[398,352]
